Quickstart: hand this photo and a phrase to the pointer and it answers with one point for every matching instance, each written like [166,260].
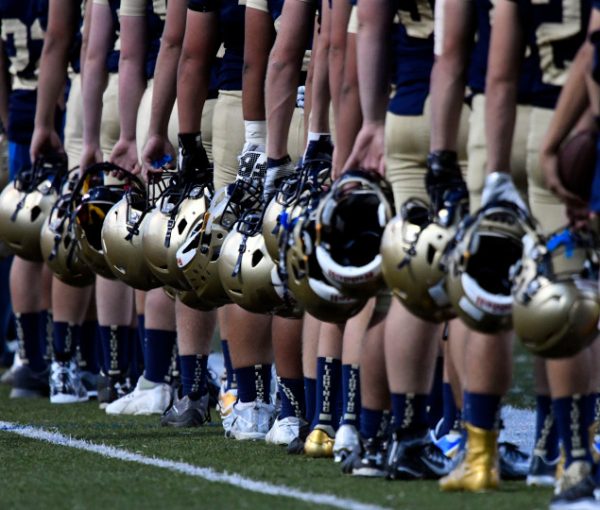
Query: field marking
[208,474]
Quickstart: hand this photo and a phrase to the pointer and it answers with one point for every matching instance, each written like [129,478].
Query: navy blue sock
[230,372]
[435,402]
[310,397]
[193,375]
[46,335]
[88,347]
[351,394]
[546,433]
[136,356]
[66,340]
[157,354]
[291,392]
[596,411]
[370,422]
[116,348]
[482,410]
[254,383]
[328,382]
[30,346]
[141,332]
[571,421]
[452,415]
[175,365]
[410,412]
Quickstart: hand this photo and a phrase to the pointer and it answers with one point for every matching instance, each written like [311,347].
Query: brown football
[577,163]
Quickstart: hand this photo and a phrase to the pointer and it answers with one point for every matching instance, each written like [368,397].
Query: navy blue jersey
[112,59]
[479,56]
[554,32]
[413,56]
[75,49]
[231,33]
[22,31]
[156,12]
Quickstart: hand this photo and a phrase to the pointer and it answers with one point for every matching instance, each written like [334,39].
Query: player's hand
[549,165]
[90,155]
[369,149]
[444,181]
[124,155]
[499,186]
[157,149]
[44,141]
[192,159]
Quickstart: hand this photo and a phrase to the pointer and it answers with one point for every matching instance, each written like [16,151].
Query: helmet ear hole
[182,225]
[257,256]
[430,254]
[35,213]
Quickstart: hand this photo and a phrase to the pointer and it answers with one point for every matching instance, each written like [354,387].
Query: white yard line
[205,473]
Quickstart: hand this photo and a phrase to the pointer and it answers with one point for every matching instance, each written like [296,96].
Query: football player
[22,39]
[62,47]
[208,25]
[114,299]
[398,146]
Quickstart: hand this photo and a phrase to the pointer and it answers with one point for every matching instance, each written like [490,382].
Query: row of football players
[480,365]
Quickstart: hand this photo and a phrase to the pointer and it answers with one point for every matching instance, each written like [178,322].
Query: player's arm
[572,103]
[165,86]
[132,81]
[4,87]
[94,81]
[502,83]
[453,39]
[85,35]
[375,23]
[193,78]
[62,17]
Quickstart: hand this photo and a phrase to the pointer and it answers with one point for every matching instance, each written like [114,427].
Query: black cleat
[576,489]
[185,412]
[368,460]
[27,383]
[111,387]
[415,457]
[542,472]
[514,463]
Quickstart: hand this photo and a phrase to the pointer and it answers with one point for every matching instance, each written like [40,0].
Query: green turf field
[36,474]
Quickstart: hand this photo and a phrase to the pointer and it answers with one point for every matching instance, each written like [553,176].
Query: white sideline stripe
[208,474]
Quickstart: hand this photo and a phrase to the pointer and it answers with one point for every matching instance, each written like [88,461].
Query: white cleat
[8,376]
[65,383]
[251,420]
[346,441]
[284,431]
[147,398]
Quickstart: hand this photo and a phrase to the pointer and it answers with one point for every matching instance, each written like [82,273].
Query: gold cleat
[226,401]
[478,472]
[319,442]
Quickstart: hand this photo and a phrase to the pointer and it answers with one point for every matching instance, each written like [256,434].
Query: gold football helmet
[122,240]
[59,246]
[556,303]
[167,227]
[478,281]
[350,222]
[413,250]
[305,279]
[26,202]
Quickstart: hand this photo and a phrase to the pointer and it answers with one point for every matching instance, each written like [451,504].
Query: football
[577,161]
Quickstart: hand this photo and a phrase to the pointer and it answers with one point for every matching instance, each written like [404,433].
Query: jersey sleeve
[133,8]
[203,5]
[261,5]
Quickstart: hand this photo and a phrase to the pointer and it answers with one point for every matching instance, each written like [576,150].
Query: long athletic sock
[89,346]
[310,397]
[136,356]
[452,415]
[410,412]
[351,394]
[546,432]
[291,392]
[328,382]
[157,354]
[482,410]
[28,334]
[435,402]
[46,335]
[370,422]
[230,372]
[141,332]
[194,375]
[254,383]
[66,340]
[115,341]
[571,421]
